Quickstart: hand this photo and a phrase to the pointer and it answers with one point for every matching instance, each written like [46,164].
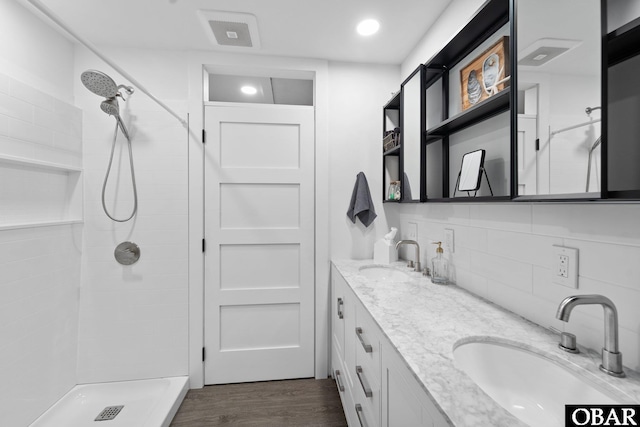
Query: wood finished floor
[295,403]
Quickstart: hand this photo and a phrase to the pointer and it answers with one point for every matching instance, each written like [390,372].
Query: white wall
[40,266]
[503,251]
[356,95]
[34,53]
[134,319]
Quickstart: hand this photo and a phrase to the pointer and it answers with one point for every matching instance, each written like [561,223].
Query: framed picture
[486,75]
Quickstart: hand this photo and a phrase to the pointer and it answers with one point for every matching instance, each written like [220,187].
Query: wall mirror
[413,124]
[559,97]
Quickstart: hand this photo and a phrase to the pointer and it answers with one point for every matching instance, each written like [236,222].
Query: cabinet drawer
[338,288]
[369,406]
[367,343]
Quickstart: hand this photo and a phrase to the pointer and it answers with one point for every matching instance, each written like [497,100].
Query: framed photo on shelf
[486,75]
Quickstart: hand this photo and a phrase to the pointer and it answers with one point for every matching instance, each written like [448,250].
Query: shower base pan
[145,403]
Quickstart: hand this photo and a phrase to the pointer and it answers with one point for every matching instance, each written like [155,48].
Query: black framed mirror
[471,172]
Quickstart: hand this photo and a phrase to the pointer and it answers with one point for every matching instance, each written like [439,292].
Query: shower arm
[52,16]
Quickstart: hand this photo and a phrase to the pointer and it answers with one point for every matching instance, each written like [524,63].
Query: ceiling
[322,29]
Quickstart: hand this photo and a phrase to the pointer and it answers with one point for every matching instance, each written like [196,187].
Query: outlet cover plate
[412,231]
[449,242]
[564,266]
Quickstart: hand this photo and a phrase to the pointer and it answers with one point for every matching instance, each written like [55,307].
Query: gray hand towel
[361,205]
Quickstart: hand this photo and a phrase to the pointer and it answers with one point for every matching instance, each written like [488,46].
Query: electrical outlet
[412,231]
[565,266]
[449,242]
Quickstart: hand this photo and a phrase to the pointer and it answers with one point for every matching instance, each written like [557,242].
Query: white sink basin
[530,386]
[380,272]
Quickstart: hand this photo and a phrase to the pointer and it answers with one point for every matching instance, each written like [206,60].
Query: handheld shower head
[99,83]
[111,107]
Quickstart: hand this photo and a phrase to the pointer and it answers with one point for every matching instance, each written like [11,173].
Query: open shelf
[493,15]
[37,164]
[33,224]
[479,199]
[393,103]
[486,109]
[395,151]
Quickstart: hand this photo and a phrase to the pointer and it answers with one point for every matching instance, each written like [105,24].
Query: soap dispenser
[439,266]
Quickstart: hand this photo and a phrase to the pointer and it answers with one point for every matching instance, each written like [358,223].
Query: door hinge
[204,354]
[204,245]
[537,144]
[204,136]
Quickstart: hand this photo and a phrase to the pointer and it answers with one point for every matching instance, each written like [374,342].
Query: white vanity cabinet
[376,387]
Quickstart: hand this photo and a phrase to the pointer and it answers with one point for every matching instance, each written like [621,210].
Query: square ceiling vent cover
[231,30]
[544,50]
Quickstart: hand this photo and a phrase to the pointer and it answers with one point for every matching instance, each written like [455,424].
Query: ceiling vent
[230,29]
[544,50]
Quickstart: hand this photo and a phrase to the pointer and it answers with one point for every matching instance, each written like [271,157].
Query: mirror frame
[478,178]
[420,195]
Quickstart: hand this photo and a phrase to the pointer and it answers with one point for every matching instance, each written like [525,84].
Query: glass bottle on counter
[439,266]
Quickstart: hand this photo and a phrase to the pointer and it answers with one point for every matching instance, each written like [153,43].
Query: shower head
[110,106]
[99,83]
[102,85]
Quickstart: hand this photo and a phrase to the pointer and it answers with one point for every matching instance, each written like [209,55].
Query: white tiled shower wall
[39,266]
[503,252]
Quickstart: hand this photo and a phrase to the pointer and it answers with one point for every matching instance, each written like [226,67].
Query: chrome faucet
[611,357]
[411,242]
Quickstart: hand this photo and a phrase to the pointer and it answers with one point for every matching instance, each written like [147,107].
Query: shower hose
[133,176]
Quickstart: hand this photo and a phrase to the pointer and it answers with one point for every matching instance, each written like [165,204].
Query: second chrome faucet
[611,357]
[416,265]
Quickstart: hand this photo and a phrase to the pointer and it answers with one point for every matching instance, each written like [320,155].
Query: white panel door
[259,229]
[527,163]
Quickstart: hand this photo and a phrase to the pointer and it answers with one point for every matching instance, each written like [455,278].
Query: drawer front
[367,343]
[366,391]
[338,287]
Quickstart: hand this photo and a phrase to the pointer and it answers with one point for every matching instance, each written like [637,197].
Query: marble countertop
[425,322]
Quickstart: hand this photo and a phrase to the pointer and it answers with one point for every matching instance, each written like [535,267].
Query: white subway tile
[596,222]
[474,283]
[448,213]
[25,131]
[31,95]
[509,217]
[5,83]
[473,238]
[529,248]
[16,108]
[626,300]
[4,128]
[66,141]
[617,264]
[515,274]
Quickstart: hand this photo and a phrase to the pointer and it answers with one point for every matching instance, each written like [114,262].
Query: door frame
[200,65]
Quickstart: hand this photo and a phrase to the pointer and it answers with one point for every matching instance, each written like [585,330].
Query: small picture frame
[486,75]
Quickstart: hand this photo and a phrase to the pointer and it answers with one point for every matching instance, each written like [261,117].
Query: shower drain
[109,413]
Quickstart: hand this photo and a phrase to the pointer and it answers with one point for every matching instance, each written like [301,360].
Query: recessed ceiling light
[249,90]
[368,27]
